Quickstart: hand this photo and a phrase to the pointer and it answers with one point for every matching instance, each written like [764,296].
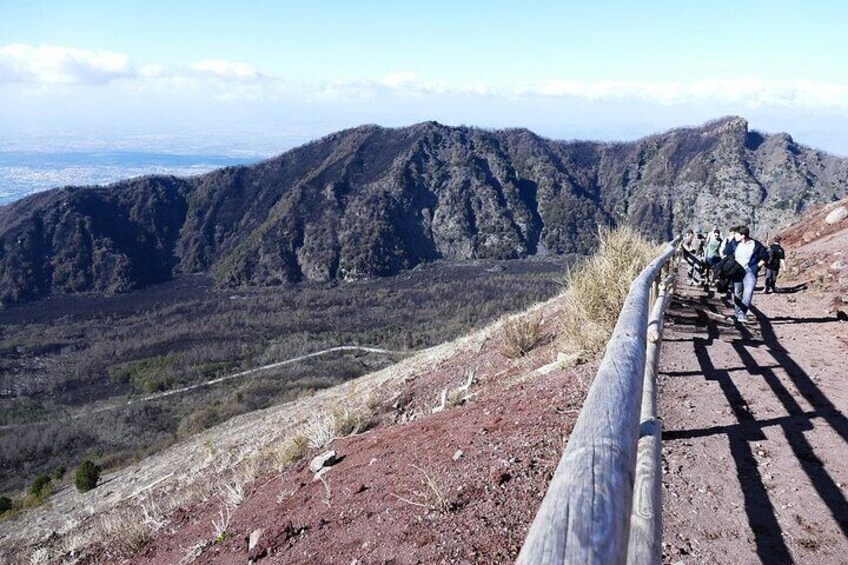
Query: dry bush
[232,493]
[597,287]
[72,544]
[152,515]
[193,553]
[519,335]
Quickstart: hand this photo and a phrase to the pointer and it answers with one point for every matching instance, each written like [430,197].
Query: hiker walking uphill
[751,255]
[776,259]
[712,251]
[693,247]
[729,243]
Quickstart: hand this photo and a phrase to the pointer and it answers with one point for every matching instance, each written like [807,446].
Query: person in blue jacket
[751,255]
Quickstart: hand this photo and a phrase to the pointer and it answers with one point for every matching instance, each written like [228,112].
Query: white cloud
[227,70]
[398,80]
[749,92]
[152,71]
[51,64]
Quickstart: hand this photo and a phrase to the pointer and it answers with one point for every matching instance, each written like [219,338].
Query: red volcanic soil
[458,486]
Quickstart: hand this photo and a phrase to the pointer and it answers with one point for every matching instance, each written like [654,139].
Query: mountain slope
[372,201]
[508,421]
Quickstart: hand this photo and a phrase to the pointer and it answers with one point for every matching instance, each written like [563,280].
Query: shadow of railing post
[588,509]
[768,536]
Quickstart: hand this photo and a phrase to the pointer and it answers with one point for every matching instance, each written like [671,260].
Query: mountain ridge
[373,201]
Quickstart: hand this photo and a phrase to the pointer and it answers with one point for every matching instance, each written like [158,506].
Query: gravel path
[755,433]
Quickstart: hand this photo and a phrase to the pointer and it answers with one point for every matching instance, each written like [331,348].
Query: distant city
[40,159]
[24,173]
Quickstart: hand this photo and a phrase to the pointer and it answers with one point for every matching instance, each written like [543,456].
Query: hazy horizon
[50,159]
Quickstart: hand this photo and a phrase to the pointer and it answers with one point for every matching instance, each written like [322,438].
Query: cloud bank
[234,80]
[51,64]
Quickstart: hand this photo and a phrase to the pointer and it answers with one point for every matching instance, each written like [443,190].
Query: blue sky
[262,76]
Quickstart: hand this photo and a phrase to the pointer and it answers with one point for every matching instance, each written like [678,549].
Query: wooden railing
[603,504]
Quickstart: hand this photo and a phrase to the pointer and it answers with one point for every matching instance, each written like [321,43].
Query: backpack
[727,271]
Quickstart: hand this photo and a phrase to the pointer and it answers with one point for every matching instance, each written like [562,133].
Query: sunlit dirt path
[755,434]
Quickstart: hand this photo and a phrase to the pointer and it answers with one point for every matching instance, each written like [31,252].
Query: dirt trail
[755,434]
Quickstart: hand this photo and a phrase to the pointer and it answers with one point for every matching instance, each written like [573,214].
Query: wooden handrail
[585,516]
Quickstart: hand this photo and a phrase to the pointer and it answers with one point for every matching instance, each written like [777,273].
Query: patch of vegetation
[185,332]
[333,423]
[291,451]
[86,476]
[39,490]
[154,374]
[597,287]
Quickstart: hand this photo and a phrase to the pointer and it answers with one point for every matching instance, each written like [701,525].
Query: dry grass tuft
[339,421]
[430,497]
[597,287]
[520,335]
[125,532]
[39,557]
[232,493]
[291,451]
[220,526]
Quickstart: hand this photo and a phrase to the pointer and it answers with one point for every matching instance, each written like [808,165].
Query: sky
[257,77]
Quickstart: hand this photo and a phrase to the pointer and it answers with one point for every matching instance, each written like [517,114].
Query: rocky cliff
[373,201]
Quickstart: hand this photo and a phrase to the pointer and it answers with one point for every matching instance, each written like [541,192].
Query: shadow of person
[784,320]
[791,289]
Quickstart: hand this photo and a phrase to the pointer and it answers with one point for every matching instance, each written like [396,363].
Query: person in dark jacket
[729,243]
[776,259]
[752,255]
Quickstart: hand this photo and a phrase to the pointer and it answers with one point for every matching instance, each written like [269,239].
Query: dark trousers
[771,278]
[697,268]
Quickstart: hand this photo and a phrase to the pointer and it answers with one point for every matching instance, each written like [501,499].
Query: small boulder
[254,539]
[326,459]
[837,215]
[838,265]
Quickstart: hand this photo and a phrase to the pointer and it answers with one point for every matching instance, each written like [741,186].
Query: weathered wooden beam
[585,515]
[645,545]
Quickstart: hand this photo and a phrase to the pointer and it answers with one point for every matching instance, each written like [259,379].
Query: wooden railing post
[645,545]
[586,513]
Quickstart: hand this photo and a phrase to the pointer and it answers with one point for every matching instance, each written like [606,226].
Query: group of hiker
[732,264]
